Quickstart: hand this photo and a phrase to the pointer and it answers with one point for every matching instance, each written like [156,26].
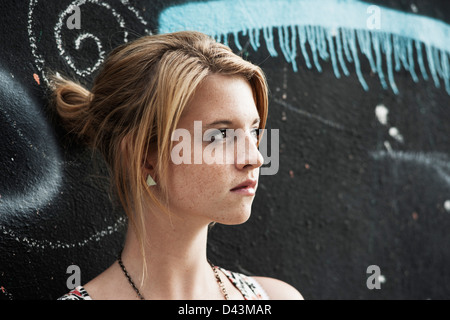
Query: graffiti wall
[359,91]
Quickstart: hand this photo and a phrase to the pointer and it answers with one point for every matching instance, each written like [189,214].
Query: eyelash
[224,131]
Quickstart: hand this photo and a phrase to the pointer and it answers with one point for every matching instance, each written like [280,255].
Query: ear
[126,148]
[150,162]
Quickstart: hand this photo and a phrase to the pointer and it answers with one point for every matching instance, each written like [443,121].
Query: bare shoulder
[278,290]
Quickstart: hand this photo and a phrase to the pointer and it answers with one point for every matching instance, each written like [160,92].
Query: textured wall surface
[359,92]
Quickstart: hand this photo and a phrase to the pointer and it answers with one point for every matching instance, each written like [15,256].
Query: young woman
[146,91]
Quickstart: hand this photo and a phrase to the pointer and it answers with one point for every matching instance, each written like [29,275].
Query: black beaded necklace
[125,272]
[127,275]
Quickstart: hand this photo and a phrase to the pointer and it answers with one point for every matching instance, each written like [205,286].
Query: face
[204,192]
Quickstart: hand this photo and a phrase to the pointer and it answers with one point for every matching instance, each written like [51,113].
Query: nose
[246,151]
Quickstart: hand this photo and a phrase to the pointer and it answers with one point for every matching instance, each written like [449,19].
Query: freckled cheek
[193,181]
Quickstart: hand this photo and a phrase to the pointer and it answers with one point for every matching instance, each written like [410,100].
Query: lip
[248,187]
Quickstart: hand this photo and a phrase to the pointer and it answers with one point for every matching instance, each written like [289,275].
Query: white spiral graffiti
[47,244]
[40,64]
[60,44]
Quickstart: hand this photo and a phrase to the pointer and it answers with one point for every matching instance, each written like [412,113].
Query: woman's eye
[255,133]
[222,134]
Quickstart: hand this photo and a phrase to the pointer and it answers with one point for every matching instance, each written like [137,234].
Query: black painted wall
[350,191]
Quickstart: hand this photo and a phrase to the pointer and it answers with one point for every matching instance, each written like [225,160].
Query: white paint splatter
[447,205]
[388,146]
[394,133]
[382,114]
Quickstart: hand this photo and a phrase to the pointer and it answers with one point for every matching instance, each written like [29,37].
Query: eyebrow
[228,122]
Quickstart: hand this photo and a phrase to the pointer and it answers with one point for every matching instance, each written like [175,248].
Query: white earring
[150,181]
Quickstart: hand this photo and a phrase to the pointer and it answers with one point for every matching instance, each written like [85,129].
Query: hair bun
[71,101]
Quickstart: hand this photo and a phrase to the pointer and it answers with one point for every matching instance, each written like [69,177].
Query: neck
[175,266]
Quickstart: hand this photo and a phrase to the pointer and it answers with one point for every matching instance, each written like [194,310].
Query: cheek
[193,185]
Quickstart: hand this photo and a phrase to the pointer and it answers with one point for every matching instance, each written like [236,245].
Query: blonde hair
[136,102]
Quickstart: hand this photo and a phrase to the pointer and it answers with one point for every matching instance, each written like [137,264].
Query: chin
[234,222]
[234,217]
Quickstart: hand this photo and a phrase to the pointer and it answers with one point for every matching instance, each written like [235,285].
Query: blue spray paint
[334,30]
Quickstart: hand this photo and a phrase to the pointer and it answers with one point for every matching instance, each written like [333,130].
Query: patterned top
[249,288]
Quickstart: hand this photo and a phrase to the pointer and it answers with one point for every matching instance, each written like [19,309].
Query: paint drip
[336,30]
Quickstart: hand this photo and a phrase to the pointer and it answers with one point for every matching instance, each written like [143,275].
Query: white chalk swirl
[39,60]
